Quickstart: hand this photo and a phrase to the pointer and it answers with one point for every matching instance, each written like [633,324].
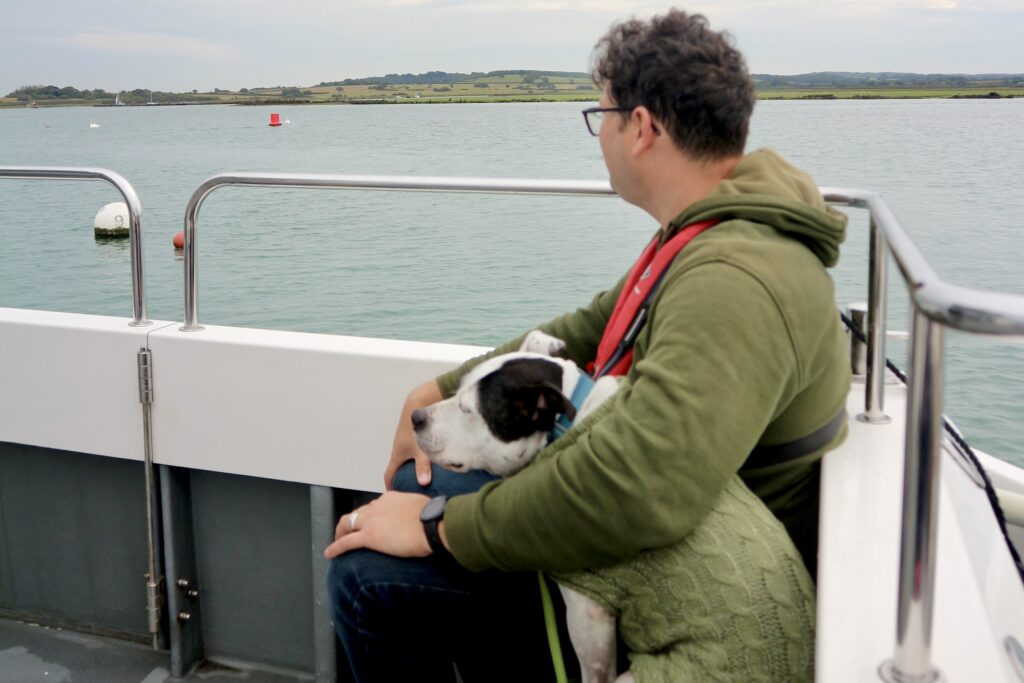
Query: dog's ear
[547,403]
[551,397]
[541,405]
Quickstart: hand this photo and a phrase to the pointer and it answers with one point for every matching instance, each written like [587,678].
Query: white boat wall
[258,439]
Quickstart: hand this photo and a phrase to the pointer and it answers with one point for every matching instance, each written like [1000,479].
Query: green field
[487,89]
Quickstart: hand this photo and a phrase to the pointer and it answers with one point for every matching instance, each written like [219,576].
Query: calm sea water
[480,269]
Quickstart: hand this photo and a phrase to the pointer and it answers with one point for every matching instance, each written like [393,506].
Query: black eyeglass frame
[600,110]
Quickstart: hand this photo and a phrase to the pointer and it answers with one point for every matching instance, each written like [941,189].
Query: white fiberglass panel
[70,381]
[310,408]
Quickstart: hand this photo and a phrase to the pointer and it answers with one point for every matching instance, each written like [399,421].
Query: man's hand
[405,447]
[390,525]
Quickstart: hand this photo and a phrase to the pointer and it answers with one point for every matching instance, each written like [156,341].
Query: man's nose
[419,419]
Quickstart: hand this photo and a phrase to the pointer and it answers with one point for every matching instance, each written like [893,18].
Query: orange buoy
[179,240]
[275,119]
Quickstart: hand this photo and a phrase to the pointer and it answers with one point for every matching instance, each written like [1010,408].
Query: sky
[180,45]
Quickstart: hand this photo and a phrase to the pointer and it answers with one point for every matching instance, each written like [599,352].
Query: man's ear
[647,130]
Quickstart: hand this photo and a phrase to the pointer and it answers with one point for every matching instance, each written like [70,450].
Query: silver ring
[352,520]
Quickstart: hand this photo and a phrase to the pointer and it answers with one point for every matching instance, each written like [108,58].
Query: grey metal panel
[6,566]
[73,537]
[254,570]
[185,634]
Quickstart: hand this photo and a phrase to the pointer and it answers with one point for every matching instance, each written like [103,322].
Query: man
[741,367]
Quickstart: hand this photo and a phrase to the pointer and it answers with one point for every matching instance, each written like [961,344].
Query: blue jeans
[409,619]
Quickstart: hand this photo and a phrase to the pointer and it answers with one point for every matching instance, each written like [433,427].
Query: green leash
[552,628]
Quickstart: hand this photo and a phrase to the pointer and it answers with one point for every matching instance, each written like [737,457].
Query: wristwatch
[430,515]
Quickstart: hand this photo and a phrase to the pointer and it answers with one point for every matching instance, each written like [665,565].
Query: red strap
[643,276]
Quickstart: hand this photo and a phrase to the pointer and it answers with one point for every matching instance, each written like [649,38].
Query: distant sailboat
[150,98]
[93,124]
[117,101]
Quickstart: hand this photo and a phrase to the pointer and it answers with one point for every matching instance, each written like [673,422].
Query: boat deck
[30,653]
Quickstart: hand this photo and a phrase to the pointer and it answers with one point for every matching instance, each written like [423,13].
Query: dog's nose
[419,419]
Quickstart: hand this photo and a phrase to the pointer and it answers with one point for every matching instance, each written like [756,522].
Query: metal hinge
[154,603]
[145,376]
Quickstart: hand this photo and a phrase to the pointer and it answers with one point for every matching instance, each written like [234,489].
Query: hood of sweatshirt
[765,188]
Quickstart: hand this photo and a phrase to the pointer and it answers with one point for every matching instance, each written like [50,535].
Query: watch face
[433,509]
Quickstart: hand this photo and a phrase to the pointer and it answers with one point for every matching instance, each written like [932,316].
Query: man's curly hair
[691,79]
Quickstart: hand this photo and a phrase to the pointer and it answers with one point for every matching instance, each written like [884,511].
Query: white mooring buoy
[112,220]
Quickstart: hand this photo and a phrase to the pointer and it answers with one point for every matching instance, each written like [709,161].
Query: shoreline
[765,95]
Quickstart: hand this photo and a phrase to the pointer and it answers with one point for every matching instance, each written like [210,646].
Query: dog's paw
[539,342]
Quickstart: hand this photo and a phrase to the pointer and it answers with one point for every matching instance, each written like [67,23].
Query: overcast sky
[204,44]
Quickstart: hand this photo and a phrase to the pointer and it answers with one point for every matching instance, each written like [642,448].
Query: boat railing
[131,199]
[588,188]
[936,304]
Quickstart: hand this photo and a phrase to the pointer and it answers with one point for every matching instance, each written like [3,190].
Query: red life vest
[615,352]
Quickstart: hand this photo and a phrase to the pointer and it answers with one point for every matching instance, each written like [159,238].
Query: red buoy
[275,119]
[179,240]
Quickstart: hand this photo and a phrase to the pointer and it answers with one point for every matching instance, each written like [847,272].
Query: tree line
[884,79]
[44,93]
[52,92]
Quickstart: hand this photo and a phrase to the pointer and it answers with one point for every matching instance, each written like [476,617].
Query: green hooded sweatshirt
[743,347]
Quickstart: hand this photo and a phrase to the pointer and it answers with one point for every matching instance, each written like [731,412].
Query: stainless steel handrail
[134,218]
[361,182]
[936,304]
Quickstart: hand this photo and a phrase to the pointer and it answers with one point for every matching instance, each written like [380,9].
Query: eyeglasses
[595,115]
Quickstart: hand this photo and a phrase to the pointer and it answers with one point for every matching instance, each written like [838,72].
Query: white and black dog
[497,421]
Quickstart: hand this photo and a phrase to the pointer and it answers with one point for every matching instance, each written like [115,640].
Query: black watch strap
[434,538]
[431,516]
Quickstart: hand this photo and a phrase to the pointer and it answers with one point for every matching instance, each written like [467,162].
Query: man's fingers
[423,473]
[349,541]
[344,525]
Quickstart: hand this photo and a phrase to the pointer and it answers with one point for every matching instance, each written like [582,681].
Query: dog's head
[500,416]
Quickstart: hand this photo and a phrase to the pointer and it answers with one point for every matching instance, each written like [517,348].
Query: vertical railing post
[911,662]
[874,385]
[191,292]
[135,244]
[322,517]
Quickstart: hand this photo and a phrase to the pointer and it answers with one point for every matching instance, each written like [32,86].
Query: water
[473,268]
